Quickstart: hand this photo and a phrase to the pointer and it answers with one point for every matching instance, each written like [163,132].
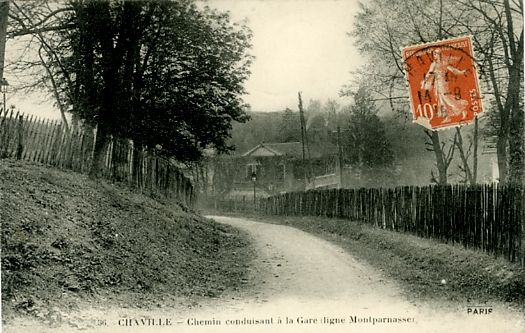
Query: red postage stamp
[443,83]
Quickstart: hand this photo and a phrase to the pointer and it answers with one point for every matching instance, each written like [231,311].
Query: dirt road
[300,283]
[304,276]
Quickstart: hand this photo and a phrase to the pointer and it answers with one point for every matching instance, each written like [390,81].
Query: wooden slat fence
[48,142]
[486,217]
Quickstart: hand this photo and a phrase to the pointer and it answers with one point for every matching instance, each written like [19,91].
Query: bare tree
[500,44]
[443,159]
[381,28]
[39,22]
[469,174]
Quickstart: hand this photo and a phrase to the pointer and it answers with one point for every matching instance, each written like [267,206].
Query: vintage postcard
[262,166]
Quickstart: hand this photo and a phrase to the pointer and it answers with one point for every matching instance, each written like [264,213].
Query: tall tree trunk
[440,159]
[516,147]
[503,115]
[464,158]
[137,165]
[99,152]
[4,11]
[510,134]
[514,96]
[501,151]
[55,88]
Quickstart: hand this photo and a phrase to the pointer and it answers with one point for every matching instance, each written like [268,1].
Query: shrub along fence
[486,217]
[49,142]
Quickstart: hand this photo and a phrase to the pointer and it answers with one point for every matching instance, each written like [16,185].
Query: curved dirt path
[304,276]
[298,283]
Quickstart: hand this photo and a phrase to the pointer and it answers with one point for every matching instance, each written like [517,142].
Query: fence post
[20,147]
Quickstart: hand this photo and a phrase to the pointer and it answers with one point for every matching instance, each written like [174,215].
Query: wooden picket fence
[48,142]
[486,217]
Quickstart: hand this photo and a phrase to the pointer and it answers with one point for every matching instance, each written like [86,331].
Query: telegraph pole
[303,137]
[340,148]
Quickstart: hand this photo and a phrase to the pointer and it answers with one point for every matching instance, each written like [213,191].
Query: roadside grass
[68,241]
[419,265]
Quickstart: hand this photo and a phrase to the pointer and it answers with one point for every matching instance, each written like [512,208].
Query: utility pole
[303,138]
[254,180]
[340,148]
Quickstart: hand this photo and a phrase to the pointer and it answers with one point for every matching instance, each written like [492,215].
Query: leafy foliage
[366,143]
[163,73]
[290,130]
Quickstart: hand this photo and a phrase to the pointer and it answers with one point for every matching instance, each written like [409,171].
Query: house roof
[291,149]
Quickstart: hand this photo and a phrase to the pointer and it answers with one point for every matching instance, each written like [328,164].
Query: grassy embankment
[419,265]
[69,242]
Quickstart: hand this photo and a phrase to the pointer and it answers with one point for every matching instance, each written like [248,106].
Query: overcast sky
[298,45]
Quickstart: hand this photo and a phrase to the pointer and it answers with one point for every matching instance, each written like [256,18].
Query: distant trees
[365,143]
[363,137]
[163,73]
[332,110]
[290,129]
[395,152]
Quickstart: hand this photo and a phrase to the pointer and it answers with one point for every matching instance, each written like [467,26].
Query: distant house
[281,167]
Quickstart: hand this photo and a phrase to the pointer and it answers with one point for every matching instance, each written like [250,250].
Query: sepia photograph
[201,166]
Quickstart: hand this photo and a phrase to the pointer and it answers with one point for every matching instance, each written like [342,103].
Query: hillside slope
[68,241]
